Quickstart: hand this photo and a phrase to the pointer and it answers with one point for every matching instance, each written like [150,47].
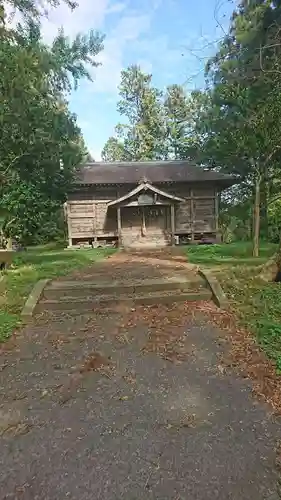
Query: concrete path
[130,405]
[129,266]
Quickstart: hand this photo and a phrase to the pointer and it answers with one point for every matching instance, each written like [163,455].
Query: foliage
[31,10]
[233,125]
[113,150]
[256,304]
[53,229]
[269,331]
[28,268]
[140,105]
[40,143]
[142,137]
[176,108]
[242,124]
[274,221]
[159,126]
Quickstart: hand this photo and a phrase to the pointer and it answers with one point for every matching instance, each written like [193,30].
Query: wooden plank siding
[89,217]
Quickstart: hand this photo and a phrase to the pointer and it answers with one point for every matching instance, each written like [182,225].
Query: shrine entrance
[146,217]
[145,226]
[154,217]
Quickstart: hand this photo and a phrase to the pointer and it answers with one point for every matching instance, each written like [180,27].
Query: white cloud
[88,15]
[128,28]
[107,76]
[145,65]
[115,8]
[127,31]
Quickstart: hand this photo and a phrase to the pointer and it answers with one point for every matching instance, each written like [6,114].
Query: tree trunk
[9,243]
[264,196]
[256,232]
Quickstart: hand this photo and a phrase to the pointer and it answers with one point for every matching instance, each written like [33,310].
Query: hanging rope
[143,226]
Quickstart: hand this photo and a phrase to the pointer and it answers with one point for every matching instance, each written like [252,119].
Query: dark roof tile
[154,172]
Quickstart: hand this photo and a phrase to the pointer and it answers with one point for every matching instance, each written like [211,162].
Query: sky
[171,39]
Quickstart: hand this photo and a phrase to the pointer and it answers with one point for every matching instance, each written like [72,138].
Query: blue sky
[169,38]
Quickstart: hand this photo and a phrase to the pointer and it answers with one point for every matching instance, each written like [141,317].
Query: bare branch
[270,156]
[15,159]
[216,16]
[273,200]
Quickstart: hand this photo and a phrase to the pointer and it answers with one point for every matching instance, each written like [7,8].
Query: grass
[232,254]
[28,267]
[257,304]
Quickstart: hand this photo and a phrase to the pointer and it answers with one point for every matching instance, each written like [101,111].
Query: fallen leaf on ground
[124,398]
[94,362]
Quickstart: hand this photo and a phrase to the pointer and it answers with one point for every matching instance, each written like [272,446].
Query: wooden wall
[198,213]
[89,217]
[87,213]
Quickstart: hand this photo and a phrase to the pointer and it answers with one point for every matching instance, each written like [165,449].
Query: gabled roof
[153,171]
[144,186]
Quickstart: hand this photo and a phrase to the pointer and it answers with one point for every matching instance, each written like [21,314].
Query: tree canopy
[233,124]
[157,124]
[242,126]
[40,143]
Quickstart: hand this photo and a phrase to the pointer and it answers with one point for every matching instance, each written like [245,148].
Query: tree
[175,106]
[143,136]
[31,10]
[183,116]
[242,126]
[40,142]
[113,150]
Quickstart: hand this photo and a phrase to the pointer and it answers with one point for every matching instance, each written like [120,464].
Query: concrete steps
[59,289]
[82,296]
[86,304]
[176,253]
[161,251]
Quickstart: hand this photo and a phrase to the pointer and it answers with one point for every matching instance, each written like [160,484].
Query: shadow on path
[130,405]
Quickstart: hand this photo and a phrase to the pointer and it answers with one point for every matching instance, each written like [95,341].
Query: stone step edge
[83,289]
[119,297]
[33,299]
[218,295]
[107,301]
[118,293]
[57,285]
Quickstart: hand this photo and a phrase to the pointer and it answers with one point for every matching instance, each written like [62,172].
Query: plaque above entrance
[146,199]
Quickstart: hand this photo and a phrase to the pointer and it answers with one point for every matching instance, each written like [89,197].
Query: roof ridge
[153,171]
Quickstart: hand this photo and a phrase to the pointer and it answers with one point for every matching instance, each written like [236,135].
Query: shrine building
[144,204]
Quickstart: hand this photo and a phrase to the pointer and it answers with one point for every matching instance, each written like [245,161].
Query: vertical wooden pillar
[192,215]
[119,226]
[217,216]
[67,215]
[173,223]
[95,214]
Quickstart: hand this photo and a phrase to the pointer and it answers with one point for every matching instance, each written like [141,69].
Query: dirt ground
[131,404]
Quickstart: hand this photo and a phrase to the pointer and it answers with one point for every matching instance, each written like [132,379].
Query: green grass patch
[257,304]
[258,307]
[28,267]
[232,254]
